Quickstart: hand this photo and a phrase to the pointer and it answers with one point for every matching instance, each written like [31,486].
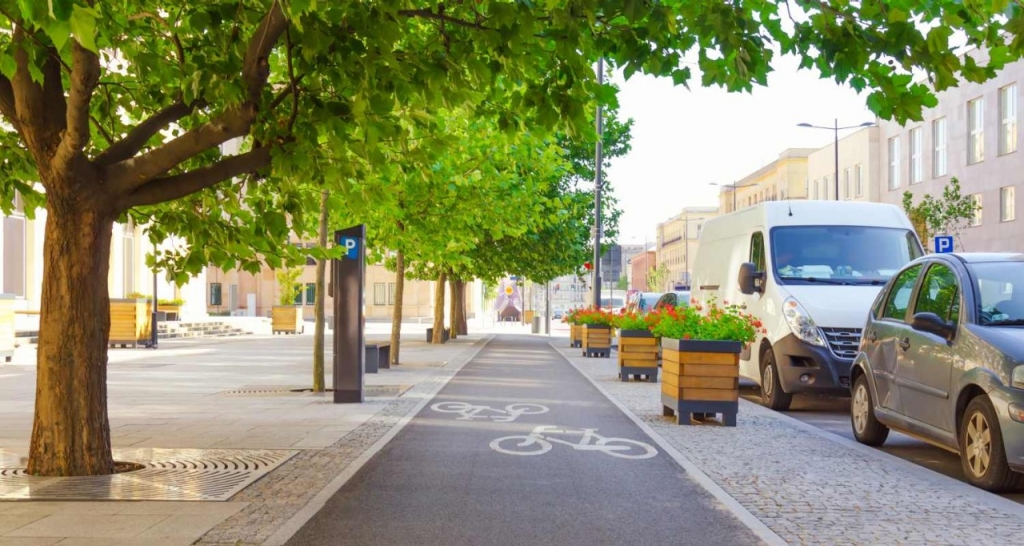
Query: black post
[153,337]
[597,195]
[347,276]
[837,157]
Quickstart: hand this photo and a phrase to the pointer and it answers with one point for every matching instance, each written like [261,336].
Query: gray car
[942,359]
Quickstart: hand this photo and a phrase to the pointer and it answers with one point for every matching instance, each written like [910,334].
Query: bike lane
[502,456]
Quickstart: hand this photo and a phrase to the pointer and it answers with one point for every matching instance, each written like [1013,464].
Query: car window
[898,301]
[999,290]
[940,293]
[666,300]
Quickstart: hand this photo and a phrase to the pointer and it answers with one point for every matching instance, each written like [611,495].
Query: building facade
[678,239]
[784,178]
[639,266]
[860,168]
[970,135]
[568,292]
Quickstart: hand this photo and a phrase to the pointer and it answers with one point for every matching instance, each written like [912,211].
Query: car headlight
[1017,379]
[801,323]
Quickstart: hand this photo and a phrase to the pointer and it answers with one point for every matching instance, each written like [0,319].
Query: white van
[809,271]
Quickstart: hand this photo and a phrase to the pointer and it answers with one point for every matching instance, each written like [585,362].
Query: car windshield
[999,289]
[840,254]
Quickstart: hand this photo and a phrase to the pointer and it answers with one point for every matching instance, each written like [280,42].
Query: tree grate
[168,475]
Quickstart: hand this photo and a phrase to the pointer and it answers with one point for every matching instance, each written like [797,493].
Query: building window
[1007,210]
[976,126]
[859,180]
[894,163]
[14,249]
[939,152]
[815,189]
[215,294]
[846,183]
[298,294]
[976,199]
[824,188]
[916,156]
[310,293]
[379,293]
[391,293]
[1008,119]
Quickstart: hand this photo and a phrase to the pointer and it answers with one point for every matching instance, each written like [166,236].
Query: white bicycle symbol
[470,412]
[540,442]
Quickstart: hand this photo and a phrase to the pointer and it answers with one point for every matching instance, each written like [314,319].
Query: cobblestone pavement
[813,487]
[276,498]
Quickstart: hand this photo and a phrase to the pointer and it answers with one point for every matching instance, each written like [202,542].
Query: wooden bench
[378,355]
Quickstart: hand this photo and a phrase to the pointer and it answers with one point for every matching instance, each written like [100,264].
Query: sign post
[347,281]
[943,244]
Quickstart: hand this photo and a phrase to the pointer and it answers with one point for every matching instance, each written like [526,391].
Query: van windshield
[840,254]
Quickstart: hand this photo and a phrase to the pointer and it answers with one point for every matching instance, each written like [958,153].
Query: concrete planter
[446,335]
[700,378]
[7,326]
[130,322]
[575,335]
[597,340]
[638,355]
[286,319]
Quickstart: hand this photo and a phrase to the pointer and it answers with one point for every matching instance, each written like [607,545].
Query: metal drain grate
[170,475]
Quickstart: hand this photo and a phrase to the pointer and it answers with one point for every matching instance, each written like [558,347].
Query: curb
[296,522]
[731,504]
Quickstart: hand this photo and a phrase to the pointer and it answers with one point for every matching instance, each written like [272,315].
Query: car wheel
[866,428]
[772,394]
[982,455]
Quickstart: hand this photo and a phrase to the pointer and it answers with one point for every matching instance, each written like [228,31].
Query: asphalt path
[833,414]
[462,474]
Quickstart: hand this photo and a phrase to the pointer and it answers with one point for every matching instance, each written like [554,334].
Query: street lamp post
[732,187]
[597,194]
[836,128]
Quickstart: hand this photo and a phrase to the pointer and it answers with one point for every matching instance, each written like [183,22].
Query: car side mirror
[933,324]
[749,275]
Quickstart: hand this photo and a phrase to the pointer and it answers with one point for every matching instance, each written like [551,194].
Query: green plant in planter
[288,285]
[631,320]
[138,296]
[176,301]
[728,323]
[594,317]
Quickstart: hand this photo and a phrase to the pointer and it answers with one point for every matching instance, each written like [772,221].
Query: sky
[682,140]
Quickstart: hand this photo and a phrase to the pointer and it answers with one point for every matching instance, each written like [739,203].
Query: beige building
[972,134]
[240,293]
[784,178]
[677,245]
[860,168]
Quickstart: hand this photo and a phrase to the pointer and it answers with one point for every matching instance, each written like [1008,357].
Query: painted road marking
[470,412]
[541,439]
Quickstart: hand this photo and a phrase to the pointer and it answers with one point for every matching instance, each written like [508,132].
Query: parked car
[942,359]
[679,298]
[808,270]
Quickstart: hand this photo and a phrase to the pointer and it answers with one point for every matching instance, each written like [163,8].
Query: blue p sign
[944,244]
[351,245]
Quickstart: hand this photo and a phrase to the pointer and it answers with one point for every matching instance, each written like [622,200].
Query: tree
[319,383]
[949,214]
[288,287]
[623,283]
[122,109]
[657,277]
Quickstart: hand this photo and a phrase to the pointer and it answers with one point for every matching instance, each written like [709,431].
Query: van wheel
[866,428]
[772,394]
[982,455]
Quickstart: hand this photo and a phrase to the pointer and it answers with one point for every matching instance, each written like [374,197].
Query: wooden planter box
[597,340]
[7,326]
[575,335]
[173,311]
[286,319]
[700,377]
[129,322]
[638,355]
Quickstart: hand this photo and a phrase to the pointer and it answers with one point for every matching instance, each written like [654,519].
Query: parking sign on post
[943,244]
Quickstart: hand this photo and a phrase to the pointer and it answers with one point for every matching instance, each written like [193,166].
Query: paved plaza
[480,440]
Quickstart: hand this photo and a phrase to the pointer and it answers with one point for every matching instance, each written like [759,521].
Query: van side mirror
[933,324]
[749,275]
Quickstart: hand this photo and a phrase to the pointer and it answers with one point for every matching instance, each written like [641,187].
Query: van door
[755,303]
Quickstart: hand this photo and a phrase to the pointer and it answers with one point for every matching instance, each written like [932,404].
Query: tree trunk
[71,431]
[453,307]
[460,323]
[439,309]
[396,313]
[318,309]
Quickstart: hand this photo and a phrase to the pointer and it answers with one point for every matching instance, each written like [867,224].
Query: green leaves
[83,26]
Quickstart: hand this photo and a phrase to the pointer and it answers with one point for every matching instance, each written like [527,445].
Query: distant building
[784,178]
[677,245]
[639,266]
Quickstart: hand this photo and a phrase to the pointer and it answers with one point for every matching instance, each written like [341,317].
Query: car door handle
[873,336]
[905,343]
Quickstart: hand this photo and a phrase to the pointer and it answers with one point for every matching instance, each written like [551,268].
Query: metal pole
[837,157]
[597,194]
[686,247]
[153,338]
[547,308]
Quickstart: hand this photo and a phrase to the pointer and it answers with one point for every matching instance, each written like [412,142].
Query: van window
[898,301]
[757,251]
[840,254]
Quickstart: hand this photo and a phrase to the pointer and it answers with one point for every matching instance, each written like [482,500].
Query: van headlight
[1017,379]
[800,322]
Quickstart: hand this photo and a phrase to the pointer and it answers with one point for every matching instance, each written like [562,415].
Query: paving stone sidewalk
[812,487]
